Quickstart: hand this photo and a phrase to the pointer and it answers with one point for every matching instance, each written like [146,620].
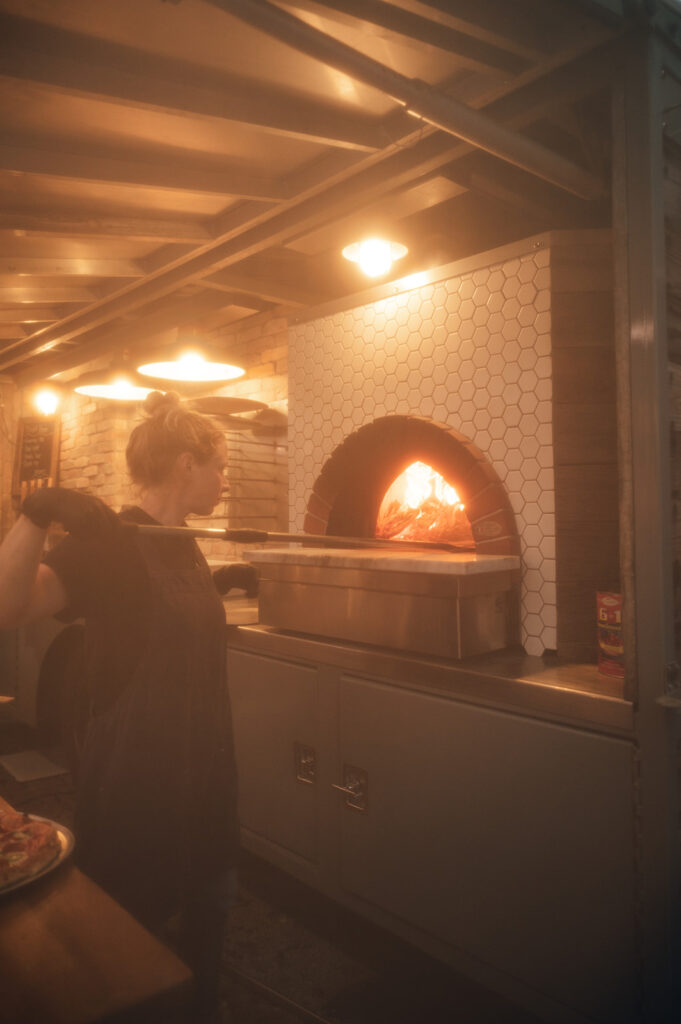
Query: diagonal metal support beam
[418,97]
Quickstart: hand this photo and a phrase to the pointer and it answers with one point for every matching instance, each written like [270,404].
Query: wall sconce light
[46,399]
[374,256]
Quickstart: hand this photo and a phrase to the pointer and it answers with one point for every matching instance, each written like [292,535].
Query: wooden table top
[69,954]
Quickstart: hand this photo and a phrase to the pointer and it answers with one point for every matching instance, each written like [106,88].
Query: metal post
[639,210]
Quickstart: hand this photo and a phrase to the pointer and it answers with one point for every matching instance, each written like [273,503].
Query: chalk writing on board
[37,453]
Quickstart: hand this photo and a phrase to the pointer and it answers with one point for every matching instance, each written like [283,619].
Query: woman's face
[206,483]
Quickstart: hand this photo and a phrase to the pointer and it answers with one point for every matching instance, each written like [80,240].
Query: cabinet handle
[305,759]
[356,788]
[351,790]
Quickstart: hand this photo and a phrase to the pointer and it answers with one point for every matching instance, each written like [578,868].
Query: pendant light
[189,361]
[118,383]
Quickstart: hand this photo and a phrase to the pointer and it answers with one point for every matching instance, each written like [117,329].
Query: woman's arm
[28,590]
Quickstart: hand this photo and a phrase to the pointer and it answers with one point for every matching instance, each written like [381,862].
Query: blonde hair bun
[158,403]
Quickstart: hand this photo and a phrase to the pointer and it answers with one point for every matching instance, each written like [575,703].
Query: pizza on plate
[26,846]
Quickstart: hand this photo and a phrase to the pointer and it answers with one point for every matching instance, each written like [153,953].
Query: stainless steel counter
[510,680]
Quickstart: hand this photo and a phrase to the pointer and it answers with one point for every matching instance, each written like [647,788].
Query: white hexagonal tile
[510,287]
[527,270]
[531,469]
[496,406]
[547,502]
[466,412]
[534,646]
[528,383]
[481,419]
[466,288]
[533,580]
[481,381]
[511,330]
[532,603]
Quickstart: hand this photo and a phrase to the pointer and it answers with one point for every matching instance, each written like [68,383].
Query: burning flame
[421,505]
[422,483]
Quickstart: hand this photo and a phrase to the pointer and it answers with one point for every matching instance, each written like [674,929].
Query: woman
[156,817]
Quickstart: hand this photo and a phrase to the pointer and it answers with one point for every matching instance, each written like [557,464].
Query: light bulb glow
[46,401]
[120,390]
[374,256]
[191,366]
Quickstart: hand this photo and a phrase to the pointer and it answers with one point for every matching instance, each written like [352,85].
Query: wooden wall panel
[585,440]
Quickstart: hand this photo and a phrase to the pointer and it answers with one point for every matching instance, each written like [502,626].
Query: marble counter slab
[466,563]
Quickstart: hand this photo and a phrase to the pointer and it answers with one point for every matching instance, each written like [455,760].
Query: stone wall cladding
[471,352]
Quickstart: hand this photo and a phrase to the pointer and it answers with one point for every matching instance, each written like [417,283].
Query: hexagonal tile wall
[471,351]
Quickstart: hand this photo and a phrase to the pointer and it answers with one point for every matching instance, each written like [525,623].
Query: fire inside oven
[421,505]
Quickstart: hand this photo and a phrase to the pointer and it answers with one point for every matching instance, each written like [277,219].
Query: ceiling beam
[8,332]
[420,99]
[268,289]
[131,334]
[417,30]
[250,227]
[76,224]
[507,24]
[37,266]
[514,188]
[65,159]
[11,295]
[91,67]
[28,314]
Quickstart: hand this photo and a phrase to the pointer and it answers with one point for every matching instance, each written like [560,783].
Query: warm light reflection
[191,366]
[421,505]
[374,256]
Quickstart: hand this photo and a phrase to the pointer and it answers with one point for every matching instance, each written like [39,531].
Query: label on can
[609,625]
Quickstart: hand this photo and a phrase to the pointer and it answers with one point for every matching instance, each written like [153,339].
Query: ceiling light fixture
[189,360]
[116,384]
[374,256]
[191,367]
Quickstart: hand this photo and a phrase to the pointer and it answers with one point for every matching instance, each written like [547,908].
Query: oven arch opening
[421,505]
[348,493]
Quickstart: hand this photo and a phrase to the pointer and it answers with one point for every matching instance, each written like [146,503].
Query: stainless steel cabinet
[501,843]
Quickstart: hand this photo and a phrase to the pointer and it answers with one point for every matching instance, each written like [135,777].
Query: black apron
[156,812]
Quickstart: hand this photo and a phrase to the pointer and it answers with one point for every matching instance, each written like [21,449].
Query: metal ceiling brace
[418,97]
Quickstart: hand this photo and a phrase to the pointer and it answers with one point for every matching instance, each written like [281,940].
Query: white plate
[67,843]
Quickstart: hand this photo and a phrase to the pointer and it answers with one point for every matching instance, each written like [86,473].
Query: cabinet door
[274,708]
[509,839]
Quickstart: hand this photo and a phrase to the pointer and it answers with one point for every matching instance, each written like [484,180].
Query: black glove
[242,575]
[82,515]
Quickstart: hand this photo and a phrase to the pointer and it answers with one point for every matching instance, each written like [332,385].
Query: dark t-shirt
[107,585]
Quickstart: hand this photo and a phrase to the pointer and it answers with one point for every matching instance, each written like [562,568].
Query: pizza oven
[473,405]
[403,478]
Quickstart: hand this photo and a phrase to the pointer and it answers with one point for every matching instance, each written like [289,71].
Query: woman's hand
[82,515]
[241,575]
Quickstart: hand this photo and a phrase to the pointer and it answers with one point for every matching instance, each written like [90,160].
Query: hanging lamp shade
[119,383]
[189,361]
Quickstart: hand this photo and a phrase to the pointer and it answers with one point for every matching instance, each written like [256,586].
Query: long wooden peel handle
[321,540]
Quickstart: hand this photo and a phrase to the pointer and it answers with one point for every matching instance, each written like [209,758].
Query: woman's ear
[185,462]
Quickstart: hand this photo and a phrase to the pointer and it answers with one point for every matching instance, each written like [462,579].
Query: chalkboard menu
[37,456]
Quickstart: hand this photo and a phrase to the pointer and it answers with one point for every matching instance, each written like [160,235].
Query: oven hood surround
[511,349]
